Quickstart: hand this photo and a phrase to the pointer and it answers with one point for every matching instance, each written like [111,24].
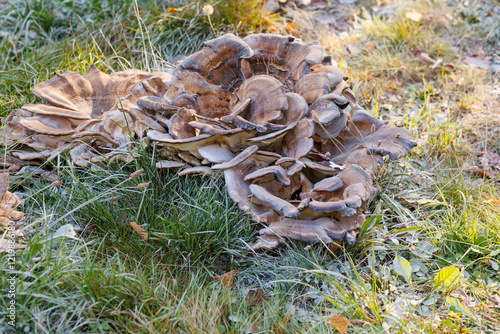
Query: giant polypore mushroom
[271,113]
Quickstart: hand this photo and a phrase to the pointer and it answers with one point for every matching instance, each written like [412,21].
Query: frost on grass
[273,114]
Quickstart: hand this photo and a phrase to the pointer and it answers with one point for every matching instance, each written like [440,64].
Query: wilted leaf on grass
[403,267]
[447,278]
[227,279]
[256,297]
[140,230]
[464,298]
[67,231]
[456,306]
[339,322]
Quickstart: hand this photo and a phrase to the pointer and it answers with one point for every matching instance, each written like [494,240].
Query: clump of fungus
[269,112]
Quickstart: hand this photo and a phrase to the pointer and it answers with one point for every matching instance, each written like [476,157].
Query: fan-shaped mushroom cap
[185,100]
[179,127]
[297,109]
[48,125]
[298,142]
[215,153]
[213,101]
[269,173]
[271,137]
[213,129]
[322,229]
[268,98]
[328,184]
[280,56]
[240,158]
[218,62]
[196,170]
[278,204]
[88,94]
[48,110]
[157,104]
[313,85]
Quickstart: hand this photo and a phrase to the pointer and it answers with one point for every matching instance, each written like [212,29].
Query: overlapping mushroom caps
[92,116]
[270,112]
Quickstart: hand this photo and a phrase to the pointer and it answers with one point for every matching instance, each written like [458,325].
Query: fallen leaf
[292,27]
[413,15]
[140,230]
[447,277]
[172,10]
[256,297]
[481,172]
[227,279]
[67,231]
[425,58]
[56,183]
[491,201]
[339,322]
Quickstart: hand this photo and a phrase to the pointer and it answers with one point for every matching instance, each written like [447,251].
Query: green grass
[108,280]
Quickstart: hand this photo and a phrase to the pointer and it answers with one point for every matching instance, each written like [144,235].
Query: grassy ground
[427,260]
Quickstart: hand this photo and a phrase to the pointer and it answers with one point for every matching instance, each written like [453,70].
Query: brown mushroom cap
[280,56]
[218,62]
[268,98]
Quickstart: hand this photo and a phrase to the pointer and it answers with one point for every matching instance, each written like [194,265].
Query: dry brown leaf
[339,322]
[56,183]
[425,58]
[481,172]
[491,201]
[227,279]
[140,230]
[256,297]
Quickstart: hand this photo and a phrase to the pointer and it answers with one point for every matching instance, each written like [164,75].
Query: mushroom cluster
[272,113]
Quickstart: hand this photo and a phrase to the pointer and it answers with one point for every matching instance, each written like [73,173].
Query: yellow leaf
[140,230]
[228,278]
[339,323]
